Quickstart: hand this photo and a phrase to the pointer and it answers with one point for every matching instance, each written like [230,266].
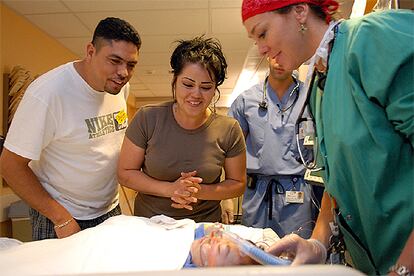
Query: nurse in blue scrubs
[276,195]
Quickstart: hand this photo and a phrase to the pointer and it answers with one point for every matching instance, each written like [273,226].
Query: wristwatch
[401,270]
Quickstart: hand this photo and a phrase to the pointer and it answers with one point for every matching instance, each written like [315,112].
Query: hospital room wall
[21,43]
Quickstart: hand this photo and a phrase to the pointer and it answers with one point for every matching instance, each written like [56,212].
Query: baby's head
[216,250]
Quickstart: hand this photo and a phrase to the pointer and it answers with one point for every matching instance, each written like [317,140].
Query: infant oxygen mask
[249,249]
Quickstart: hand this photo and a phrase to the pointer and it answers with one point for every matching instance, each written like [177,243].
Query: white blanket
[120,244]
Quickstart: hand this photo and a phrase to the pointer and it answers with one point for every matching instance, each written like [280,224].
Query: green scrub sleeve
[382,64]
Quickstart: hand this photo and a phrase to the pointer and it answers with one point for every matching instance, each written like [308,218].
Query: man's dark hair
[112,28]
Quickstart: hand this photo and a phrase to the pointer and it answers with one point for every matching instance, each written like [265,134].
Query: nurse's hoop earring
[303,29]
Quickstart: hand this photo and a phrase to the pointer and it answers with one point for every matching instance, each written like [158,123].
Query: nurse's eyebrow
[252,31]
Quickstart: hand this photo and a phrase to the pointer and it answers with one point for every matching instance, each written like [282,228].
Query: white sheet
[120,244]
[6,243]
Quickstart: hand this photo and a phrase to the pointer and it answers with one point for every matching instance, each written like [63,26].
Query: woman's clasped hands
[185,189]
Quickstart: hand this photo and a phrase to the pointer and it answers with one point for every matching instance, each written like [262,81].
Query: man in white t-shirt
[62,147]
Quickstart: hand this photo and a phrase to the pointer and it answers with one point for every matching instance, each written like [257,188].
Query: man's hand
[67,229]
[227,211]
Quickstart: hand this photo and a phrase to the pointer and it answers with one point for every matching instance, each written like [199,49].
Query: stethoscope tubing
[263,103]
[312,166]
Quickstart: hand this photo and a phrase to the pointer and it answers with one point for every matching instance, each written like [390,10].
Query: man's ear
[301,12]
[90,50]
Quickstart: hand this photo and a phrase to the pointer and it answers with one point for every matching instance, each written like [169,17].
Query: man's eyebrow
[118,57]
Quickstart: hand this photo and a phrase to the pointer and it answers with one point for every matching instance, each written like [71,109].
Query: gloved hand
[300,250]
[227,211]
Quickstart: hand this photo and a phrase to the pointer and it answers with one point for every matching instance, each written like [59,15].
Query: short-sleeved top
[171,149]
[367,133]
[73,135]
[270,140]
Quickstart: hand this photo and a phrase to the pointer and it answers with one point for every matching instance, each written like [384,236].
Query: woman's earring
[215,99]
[303,29]
[174,97]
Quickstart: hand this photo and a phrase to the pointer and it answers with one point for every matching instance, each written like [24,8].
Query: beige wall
[21,43]
[25,44]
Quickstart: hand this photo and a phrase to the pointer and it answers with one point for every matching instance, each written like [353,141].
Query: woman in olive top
[174,153]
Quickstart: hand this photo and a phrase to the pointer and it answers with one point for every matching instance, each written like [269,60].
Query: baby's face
[217,251]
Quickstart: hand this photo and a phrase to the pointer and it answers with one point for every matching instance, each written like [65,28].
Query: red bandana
[253,7]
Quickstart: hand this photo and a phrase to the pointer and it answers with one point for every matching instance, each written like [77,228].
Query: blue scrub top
[270,140]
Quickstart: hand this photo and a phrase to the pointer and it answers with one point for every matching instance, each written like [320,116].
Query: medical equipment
[310,139]
[255,252]
[249,249]
[295,90]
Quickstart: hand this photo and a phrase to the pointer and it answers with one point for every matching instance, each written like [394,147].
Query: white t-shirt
[73,134]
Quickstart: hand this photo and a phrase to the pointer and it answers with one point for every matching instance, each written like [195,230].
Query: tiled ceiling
[159,22]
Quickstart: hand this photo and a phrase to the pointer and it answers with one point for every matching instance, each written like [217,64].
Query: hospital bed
[127,245]
[311,270]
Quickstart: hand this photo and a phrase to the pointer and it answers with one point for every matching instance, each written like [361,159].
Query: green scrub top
[366,135]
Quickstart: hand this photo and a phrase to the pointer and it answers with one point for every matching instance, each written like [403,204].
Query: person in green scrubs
[361,86]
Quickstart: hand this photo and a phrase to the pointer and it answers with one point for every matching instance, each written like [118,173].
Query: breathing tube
[249,249]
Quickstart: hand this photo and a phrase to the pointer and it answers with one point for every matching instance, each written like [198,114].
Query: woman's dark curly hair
[200,50]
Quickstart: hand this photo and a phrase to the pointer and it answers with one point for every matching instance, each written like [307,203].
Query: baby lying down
[128,243]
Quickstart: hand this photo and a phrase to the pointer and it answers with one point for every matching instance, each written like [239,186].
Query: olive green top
[171,149]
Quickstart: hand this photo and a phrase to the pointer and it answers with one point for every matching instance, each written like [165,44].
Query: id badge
[306,130]
[294,197]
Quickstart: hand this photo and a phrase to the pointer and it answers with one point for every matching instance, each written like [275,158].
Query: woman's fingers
[185,199]
[191,176]
[187,186]
[181,206]
[188,174]
[191,183]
